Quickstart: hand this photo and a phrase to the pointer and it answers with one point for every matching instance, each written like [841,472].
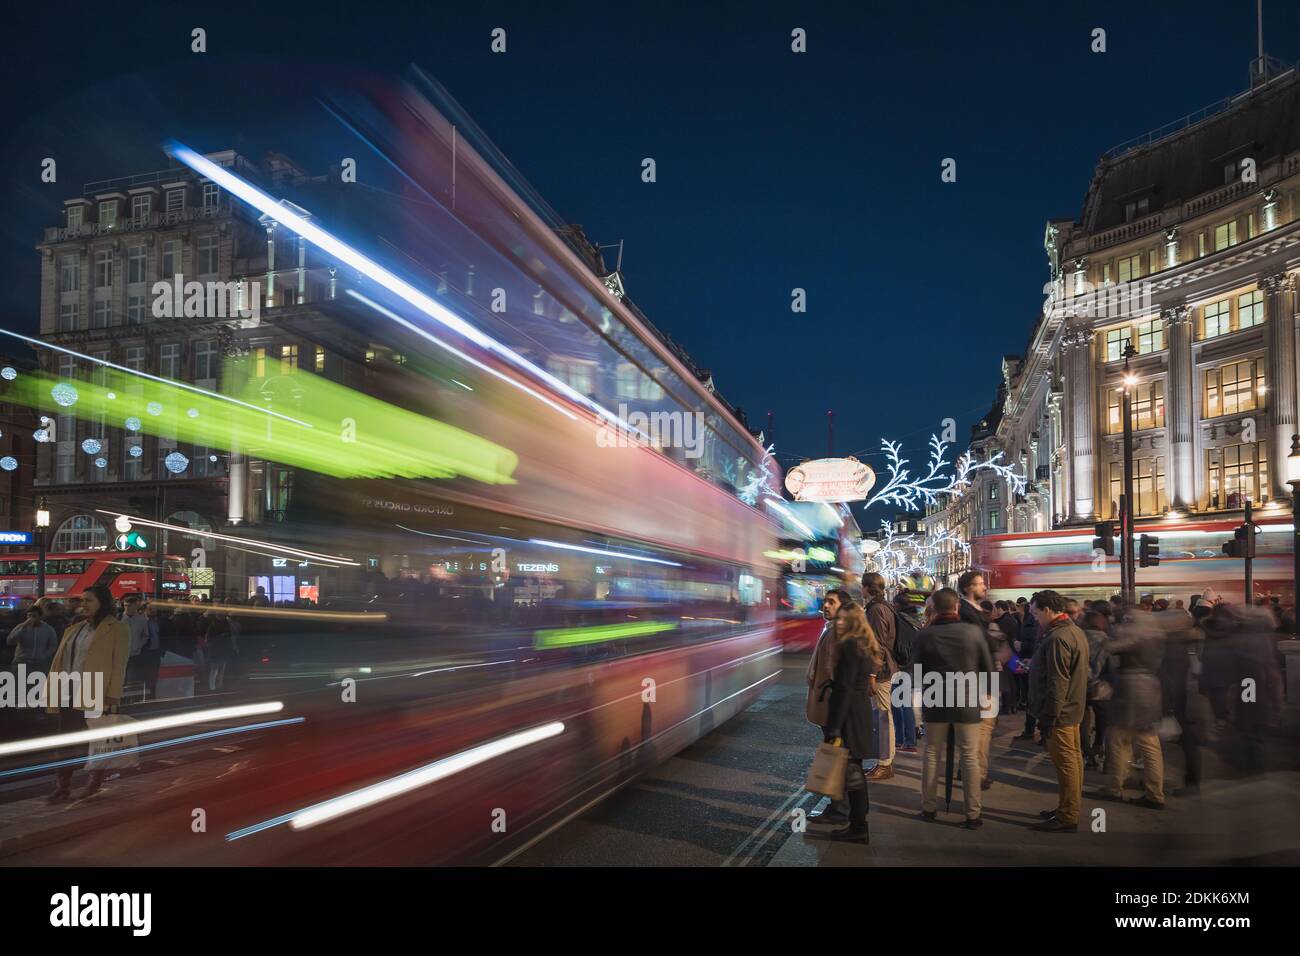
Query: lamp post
[1129,508]
[42,525]
[1293,479]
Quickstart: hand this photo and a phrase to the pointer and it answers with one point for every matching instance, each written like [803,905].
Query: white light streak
[611,554]
[145,726]
[377,793]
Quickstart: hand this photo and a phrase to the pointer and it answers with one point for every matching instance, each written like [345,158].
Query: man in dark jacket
[821,673]
[973,589]
[880,615]
[956,668]
[1064,680]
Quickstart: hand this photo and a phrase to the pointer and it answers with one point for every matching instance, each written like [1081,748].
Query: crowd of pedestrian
[1102,686]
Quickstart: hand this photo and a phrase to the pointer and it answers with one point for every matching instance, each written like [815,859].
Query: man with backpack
[880,615]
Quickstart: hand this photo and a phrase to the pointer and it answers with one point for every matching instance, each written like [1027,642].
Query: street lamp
[1293,479]
[1128,506]
[42,524]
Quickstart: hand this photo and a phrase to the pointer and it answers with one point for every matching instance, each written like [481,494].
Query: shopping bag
[116,752]
[1168,729]
[826,775]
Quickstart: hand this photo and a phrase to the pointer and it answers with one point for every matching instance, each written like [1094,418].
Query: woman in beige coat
[95,647]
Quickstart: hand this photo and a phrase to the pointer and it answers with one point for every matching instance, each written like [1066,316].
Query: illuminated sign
[15,537]
[539,568]
[830,479]
[279,562]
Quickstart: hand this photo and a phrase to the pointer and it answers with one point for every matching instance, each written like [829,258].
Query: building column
[1178,407]
[1081,401]
[1279,312]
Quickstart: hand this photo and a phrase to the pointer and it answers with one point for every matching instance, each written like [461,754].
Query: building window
[76,216]
[320,358]
[131,462]
[1250,309]
[993,491]
[207,255]
[141,206]
[288,359]
[69,317]
[108,213]
[169,360]
[1151,336]
[1218,318]
[211,196]
[1105,273]
[1148,486]
[70,273]
[135,258]
[634,383]
[259,363]
[1238,472]
[104,269]
[995,519]
[171,259]
[175,200]
[1225,236]
[1233,388]
[102,317]
[135,309]
[135,358]
[1115,339]
[1130,268]
[1148,409]
[205,360]
[1200,244]
[576,373]
[80,533]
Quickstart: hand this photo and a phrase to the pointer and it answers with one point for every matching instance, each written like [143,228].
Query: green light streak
[343,433]
[571,636]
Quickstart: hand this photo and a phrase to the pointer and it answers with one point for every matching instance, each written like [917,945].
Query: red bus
[1191,560]
[71,572]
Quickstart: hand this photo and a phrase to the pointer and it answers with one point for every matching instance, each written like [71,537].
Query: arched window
[80,533]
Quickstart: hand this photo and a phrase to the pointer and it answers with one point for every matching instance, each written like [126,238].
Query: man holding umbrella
[956,667]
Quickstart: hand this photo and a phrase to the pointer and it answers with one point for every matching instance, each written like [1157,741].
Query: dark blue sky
[775,170]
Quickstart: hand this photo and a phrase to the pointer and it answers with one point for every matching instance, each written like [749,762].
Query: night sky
[775,170]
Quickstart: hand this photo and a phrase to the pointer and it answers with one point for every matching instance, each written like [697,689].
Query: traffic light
[1148,551]
[1105,540]
[131,541]
[1242,544]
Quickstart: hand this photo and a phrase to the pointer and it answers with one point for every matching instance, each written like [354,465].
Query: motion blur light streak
[377,793]
[143,748]
[145,726]
[602,551]
[570,636]
[372,270]
[153,378]
[295,552]
[429,336]
[363,617]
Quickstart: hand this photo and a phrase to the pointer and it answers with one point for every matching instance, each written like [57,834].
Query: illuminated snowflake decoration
[64,395]
[192,412]
[134,424]
[101,462]
[913,494]
[760,482]
[8,373]
[154,408]
[135,451]
[41,434]
[176,462]
[91,446]
[907,555]
[212,458]
[111,395]
[8,462]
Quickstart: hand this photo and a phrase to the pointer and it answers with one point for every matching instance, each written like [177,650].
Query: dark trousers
[1190,742]
[71,720]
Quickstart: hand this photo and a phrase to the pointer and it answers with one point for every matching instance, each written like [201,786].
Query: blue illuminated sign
[15,537]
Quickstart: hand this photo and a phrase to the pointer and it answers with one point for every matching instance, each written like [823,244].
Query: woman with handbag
[95,649]
[859,660]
